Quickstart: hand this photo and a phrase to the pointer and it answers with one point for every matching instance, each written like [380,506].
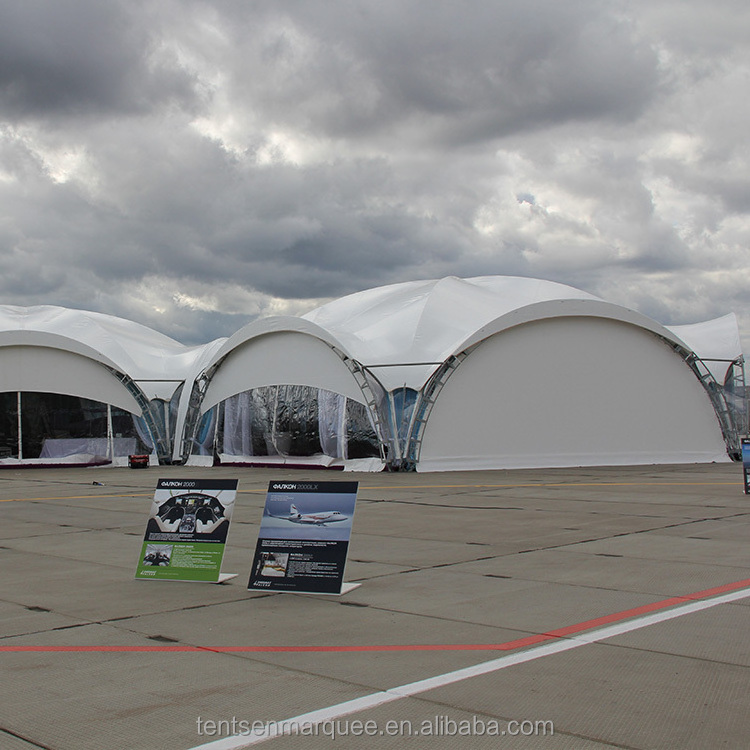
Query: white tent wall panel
[571,391]
[281,358]
[47,370]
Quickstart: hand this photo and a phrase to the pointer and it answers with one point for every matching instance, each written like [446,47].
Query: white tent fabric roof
[406,330]
[712,339]
[423,321]
[403,331]
[717,339]
[134,349]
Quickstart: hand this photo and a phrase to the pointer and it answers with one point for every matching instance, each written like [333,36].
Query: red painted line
[646,608]
[530,640]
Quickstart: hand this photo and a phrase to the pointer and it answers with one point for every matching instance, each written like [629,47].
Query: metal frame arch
[360,374]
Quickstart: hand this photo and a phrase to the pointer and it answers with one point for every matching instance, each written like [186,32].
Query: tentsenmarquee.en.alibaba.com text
[435,726]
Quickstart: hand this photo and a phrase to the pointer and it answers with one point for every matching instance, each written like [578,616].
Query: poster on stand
[746,463]
[187,530]
[304,537]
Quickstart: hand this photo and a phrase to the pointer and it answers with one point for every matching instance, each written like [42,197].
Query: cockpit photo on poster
[187,529]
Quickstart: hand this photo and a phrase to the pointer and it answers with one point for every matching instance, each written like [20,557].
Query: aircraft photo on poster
[304,537]
[187,530]
[326,516]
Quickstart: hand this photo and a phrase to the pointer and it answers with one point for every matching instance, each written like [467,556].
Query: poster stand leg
[347,587]
[226,577]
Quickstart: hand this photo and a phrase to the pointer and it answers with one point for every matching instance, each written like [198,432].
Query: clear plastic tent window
[287,421]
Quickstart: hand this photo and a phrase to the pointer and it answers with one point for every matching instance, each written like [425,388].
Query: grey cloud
[441,71]
[27,275]
[276,230]
[192,327]
[699,30]
[305,150]
[82,56]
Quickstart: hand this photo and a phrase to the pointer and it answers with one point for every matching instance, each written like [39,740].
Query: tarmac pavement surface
[577,609]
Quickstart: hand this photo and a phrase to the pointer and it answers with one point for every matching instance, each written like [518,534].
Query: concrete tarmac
[601,607]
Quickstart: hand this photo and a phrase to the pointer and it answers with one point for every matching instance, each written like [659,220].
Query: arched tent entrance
[282,392]
[554,388]
[60,406]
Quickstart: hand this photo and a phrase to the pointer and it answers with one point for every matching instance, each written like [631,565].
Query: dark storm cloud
[283,231]
[82,56]
[456,73]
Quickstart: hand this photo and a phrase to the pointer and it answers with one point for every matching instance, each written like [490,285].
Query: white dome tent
[489,372]
[79,387]
[549,375]
[569,383]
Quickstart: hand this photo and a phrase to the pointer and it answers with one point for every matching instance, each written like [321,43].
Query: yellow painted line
[71,497]
[410,487]
[547,484]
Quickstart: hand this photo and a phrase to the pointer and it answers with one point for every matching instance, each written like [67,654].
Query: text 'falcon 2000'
[321,518]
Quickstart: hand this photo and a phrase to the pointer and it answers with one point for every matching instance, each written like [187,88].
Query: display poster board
[746,463]
[304,537]
[187,530]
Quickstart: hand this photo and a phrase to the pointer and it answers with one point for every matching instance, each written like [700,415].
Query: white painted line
[347,708]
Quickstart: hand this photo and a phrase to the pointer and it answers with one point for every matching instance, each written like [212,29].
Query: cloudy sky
[193,165]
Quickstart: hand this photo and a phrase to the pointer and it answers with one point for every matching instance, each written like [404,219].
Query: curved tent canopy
[61,406]
[45,363]
[282,390]
[570,391]
[571,308]
[89,371]
[279,350]
[134,349]
[403,332]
